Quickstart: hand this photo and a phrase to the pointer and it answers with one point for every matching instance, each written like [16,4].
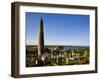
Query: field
[57,56]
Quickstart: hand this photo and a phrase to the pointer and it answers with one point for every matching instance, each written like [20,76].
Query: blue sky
[59,29]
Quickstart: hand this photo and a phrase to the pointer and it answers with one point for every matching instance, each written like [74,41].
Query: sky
[59,29]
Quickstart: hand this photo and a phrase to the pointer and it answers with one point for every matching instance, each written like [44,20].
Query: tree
[47,50]
[69,53]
